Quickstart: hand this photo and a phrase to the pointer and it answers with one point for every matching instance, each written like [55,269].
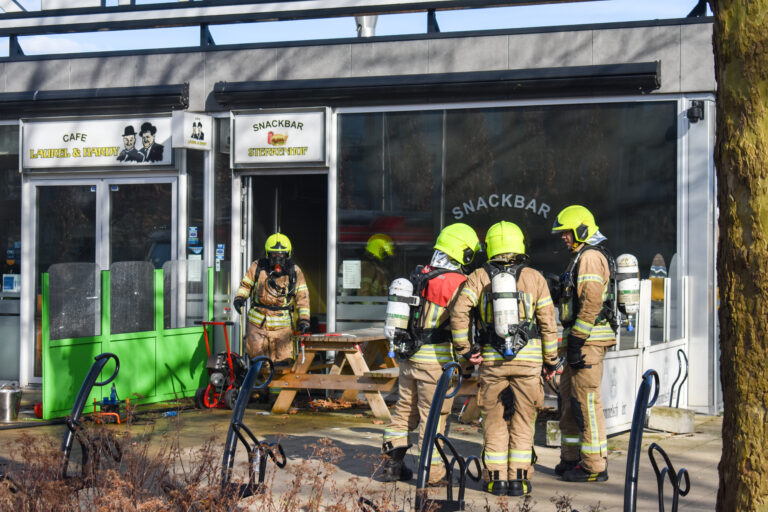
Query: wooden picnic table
[351,371]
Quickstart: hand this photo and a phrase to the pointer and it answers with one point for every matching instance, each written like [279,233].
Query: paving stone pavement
[358,437]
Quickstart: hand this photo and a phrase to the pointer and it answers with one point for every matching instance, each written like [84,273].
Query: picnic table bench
[351,371]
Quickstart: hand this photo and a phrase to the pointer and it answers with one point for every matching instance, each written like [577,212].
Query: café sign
[83,143]
[280,137]
[191,130]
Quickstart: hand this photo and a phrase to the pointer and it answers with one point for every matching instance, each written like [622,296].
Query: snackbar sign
[129,142]
[279,137]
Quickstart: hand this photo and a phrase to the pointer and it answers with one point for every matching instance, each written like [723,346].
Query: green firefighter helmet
[278,242]
[458,241]
[504,237]
[380,246]
[577,219]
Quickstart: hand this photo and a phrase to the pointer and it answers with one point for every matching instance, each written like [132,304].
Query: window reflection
[407,174]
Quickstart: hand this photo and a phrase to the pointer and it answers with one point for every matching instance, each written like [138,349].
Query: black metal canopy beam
[637,78]
[113,100]
[163,15]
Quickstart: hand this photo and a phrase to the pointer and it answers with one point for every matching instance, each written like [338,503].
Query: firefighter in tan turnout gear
[278,293]
[588,314]
[417,327]
[515,317]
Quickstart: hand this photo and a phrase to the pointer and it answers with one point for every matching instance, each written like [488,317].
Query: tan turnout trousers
[416,388]
[582,422]
[275,344]
[509,445]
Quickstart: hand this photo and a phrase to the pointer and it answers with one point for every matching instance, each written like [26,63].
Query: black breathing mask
[278,262]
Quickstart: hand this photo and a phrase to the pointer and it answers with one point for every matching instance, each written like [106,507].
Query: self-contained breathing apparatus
[565,297]
[403,326]
[274,272]
[509,335]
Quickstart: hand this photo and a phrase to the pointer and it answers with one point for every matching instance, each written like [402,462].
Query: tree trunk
[741,157]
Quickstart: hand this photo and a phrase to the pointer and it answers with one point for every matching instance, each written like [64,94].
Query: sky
[576,13]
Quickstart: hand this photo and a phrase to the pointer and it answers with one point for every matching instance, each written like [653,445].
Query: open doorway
[297,206]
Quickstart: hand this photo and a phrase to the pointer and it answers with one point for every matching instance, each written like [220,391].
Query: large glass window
[390,183]
[10,244]
[222,224]
[407,174]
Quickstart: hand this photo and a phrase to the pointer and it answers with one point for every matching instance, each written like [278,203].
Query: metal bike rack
[680,352]
[258,451]
[434,439]
[650,377]
[74,429]
[674,478]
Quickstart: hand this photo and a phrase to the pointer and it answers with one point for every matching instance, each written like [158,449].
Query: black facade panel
[112,100]
[636,78]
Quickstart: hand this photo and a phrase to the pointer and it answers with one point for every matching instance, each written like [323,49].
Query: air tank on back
[398,311]
[628,285]
[505,310]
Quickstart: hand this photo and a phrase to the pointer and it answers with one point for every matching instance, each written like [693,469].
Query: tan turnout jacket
[591,289]
[269,296]
[536,302]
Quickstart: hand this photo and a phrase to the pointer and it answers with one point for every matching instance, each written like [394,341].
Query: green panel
[181,354]
[181,362]
[154,366]
[65,364]
[63,375]
[136,379]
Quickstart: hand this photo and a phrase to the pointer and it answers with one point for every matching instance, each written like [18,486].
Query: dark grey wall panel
[31,76]
[313,62]
[390,58]
[696,57]
[642,44]
[550,50]
[468,54]
[685,52]
[102,72]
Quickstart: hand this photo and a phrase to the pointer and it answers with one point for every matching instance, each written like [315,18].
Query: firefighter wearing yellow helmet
[421,338]
[517,335]
[279,294]
[588,315]
[374,278]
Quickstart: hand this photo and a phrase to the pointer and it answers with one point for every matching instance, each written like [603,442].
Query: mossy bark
[741,157]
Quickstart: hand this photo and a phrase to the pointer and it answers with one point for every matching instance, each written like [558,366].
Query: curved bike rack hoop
[642,403]
[74,429]
[430,441]
[258,451]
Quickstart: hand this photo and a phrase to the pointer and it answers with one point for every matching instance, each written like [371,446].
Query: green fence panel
[158,365]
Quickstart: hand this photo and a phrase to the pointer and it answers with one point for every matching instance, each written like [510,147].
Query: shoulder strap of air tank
[291,280]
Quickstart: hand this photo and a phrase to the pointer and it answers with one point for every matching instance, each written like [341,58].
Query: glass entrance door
[297,206]
[98,222]
[65,233]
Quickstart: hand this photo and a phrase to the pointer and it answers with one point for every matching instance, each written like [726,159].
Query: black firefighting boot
[519,486]
[582,474]
[565,465]
[494,485]
[395,468]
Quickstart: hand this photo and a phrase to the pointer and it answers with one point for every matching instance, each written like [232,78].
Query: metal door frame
[242,223]
[30,183]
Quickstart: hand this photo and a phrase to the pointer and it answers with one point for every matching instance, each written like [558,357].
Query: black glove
[303,326]
[573,355]
[238,304]
[554,367]
[507,399]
